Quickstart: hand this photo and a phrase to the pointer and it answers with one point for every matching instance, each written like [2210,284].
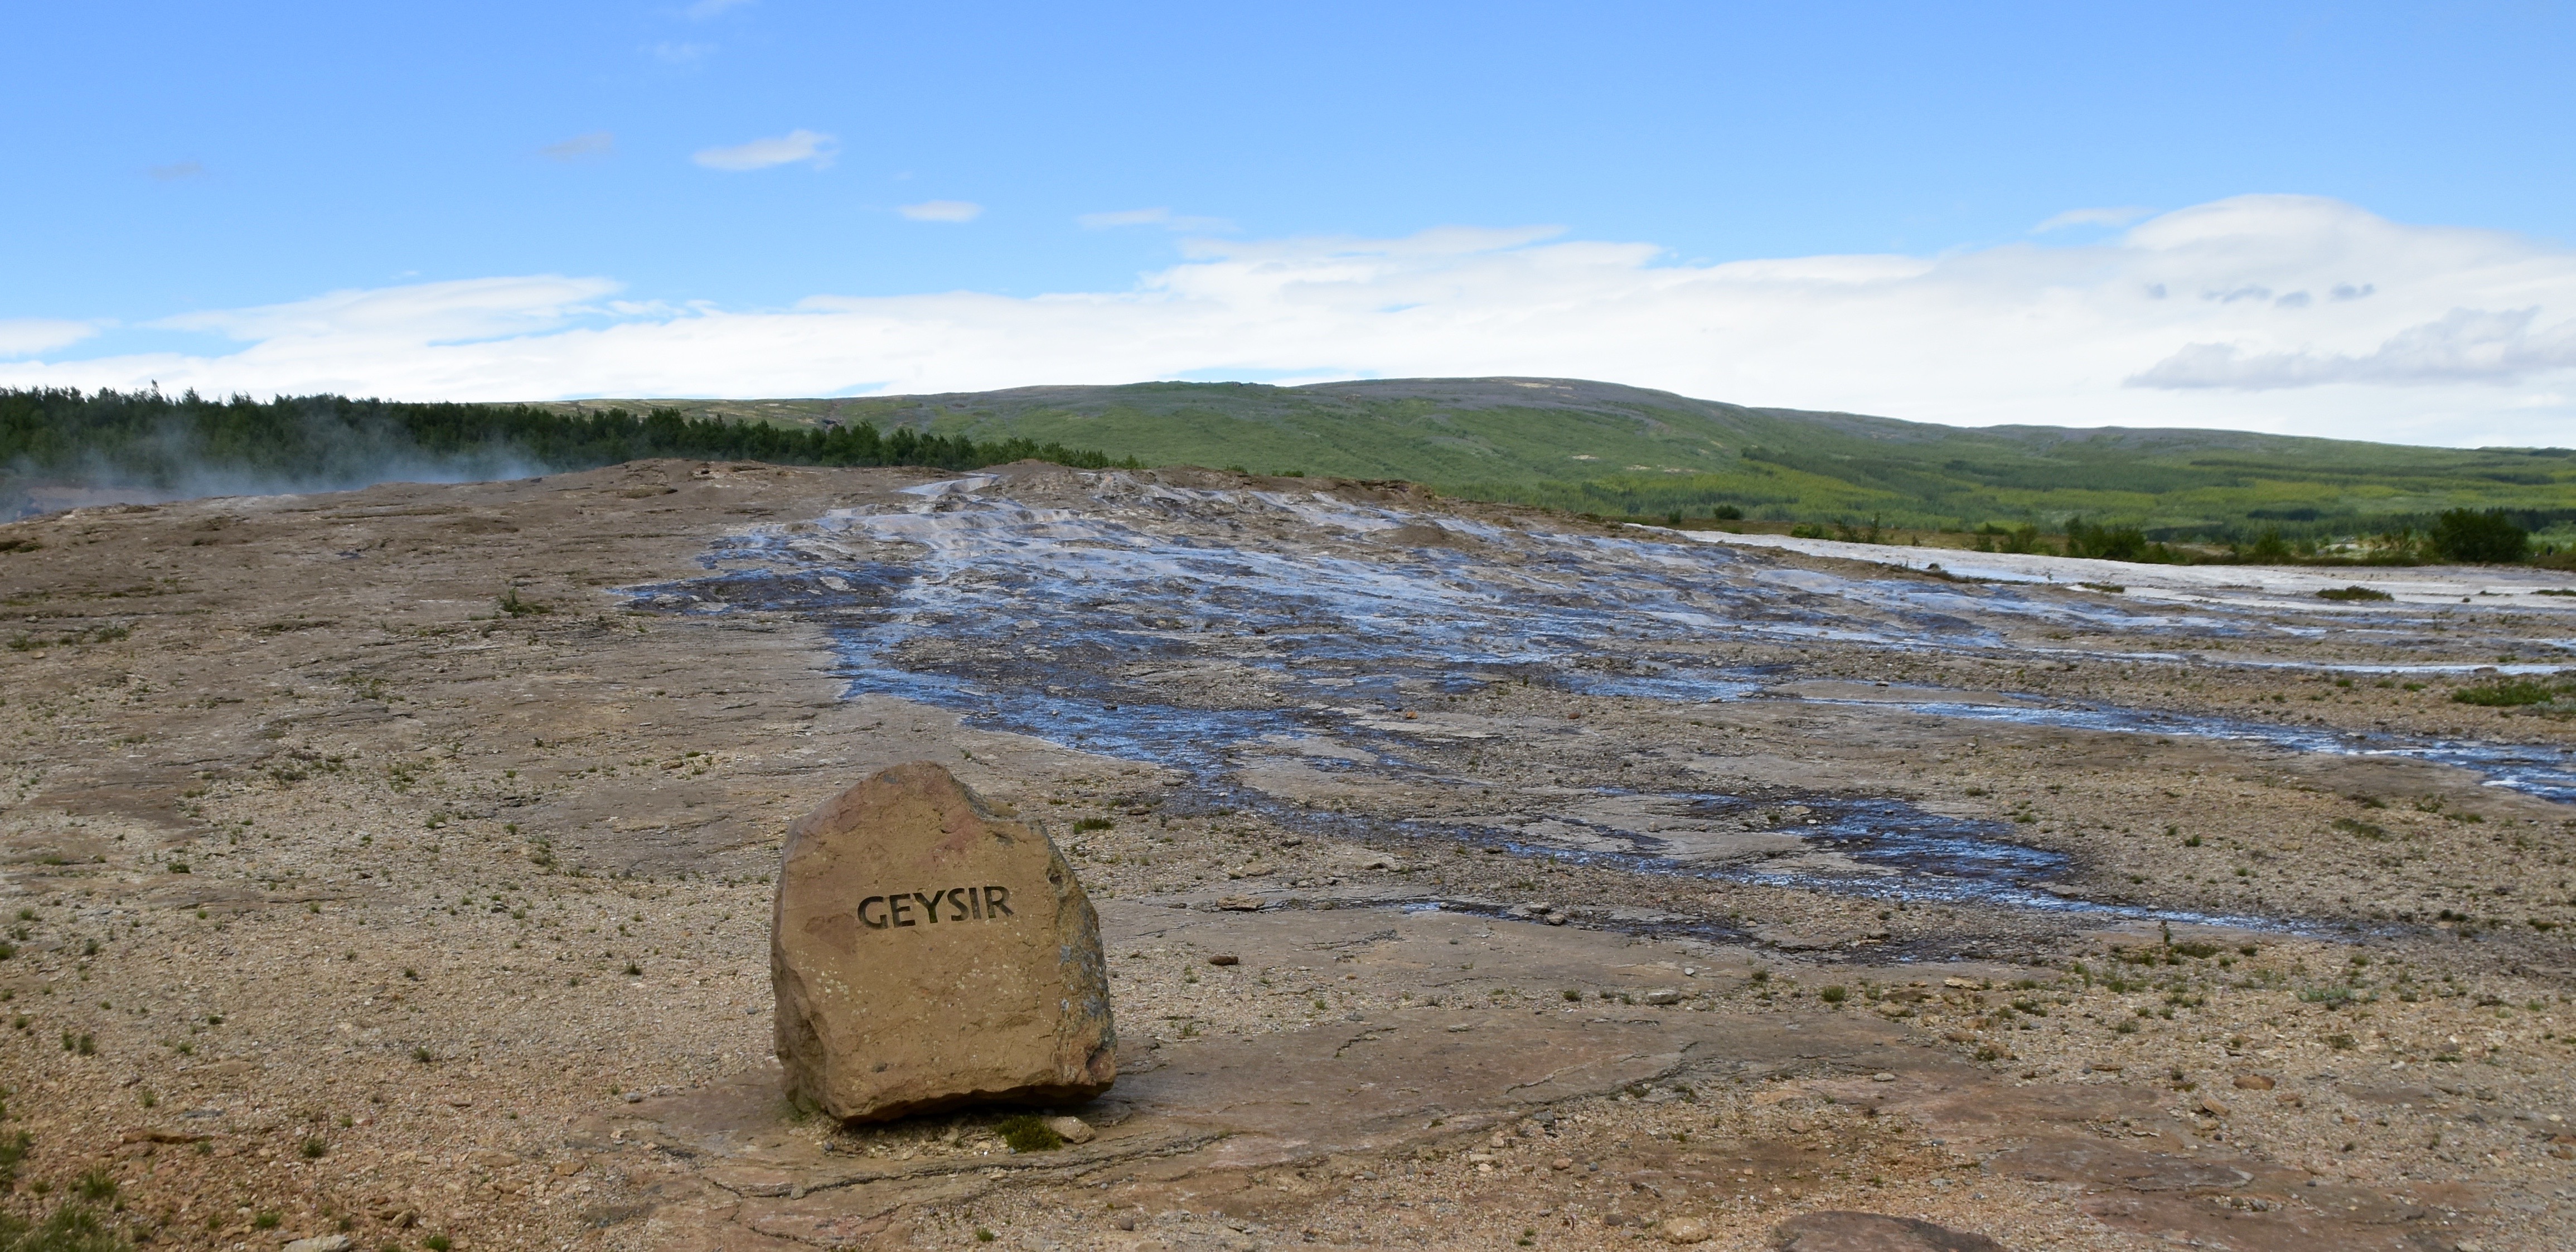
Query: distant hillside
[1604,448]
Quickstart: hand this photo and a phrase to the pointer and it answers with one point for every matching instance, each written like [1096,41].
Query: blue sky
[196,182]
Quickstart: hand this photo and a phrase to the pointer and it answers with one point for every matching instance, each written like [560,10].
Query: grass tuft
[1027,1132]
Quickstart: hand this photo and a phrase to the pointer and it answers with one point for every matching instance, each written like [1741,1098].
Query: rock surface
[1873,1232]
[312,701]
[927,953]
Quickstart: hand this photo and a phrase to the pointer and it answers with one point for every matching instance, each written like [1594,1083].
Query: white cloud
[2462,338]
[427,313]
[759,154]
[2464,345]
[598,143]
[943,211]
[27,336]
[705,9]
[2091,217]
[1164,218]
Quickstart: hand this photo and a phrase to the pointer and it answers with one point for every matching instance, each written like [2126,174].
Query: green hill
[1604,448]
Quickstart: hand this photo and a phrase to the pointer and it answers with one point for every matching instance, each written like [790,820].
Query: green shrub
[1027,1132]
[2508,693]
[2354,592]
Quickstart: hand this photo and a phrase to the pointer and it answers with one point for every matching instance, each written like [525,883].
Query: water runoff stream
[1092,621]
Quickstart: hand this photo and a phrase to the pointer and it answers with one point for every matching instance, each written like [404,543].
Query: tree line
[189,442]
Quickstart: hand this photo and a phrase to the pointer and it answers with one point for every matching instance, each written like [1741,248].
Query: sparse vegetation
[2512,692]
[69,1228]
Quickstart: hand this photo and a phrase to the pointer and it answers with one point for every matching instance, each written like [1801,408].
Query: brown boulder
[1872,1232]
[928,953]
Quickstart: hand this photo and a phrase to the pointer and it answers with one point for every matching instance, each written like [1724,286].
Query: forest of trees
[192,445]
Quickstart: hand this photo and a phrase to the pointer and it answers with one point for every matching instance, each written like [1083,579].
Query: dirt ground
[395,864]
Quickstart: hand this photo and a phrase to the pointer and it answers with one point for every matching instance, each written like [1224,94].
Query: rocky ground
[396,864]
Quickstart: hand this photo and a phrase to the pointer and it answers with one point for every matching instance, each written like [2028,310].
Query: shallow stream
[1200,631]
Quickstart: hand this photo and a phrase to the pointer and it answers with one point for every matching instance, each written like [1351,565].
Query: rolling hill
[1604,448]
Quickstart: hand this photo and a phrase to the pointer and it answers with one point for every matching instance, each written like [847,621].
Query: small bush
[1093,823]
[314,1149]
[516,607]
[2508,693]
[1833,995]
[1027,1132]
[268,1219]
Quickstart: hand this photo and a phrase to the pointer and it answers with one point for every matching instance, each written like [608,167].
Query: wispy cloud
[2464,337]
[671,52]
[704,9]
[589,147]
[2464,345]
[1163,218]
[2092,217]
[176,171]
[943,211]
[462,311]
[27,336]
[810,146]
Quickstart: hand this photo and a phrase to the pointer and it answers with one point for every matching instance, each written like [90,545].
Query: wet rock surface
[310,843]
[927,952]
